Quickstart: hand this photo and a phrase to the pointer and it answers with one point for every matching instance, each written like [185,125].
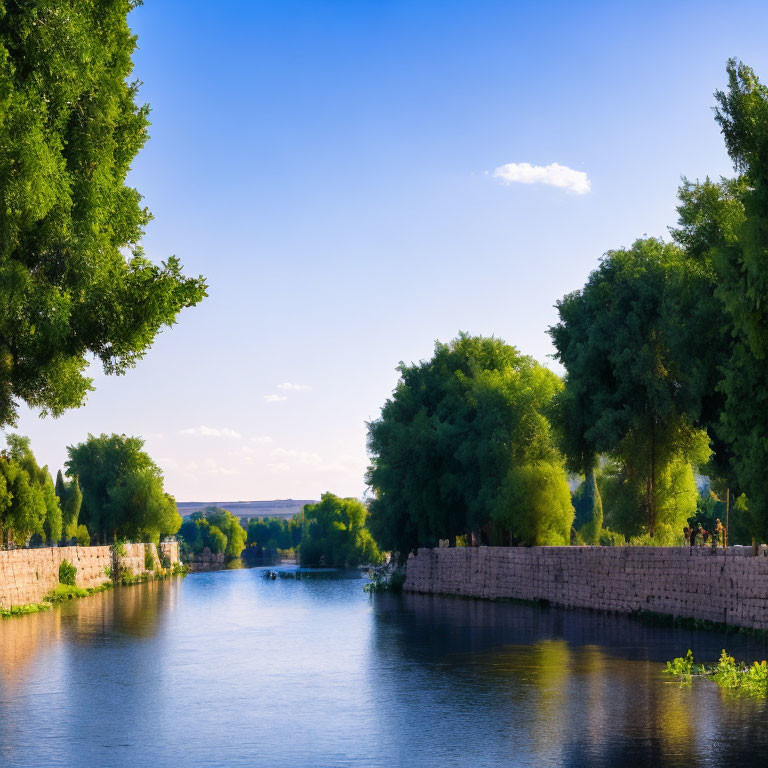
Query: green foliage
[727,673]
[71,499]
[122,489]
[24,610]
[149,559]
[70,129]
[273,533]
[67,573]
[682,666]
[82,536]
[464,444]
[626,340]
[28,503]
[335,534]
[230,527]
[610,538]
[725,225]
[218,529]
[65,591]
[535,505]
[385,578]
[119,549]
[588,508]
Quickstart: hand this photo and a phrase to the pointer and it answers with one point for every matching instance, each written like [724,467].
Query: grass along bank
[66,589]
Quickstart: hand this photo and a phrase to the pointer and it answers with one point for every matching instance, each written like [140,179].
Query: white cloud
[204,431]
[279,467]
[275,398]
[261,439]
[554,174]
[294,387]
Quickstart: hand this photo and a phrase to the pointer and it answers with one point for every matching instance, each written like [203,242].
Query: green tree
[624,339]
[122,489]
[588,507]
[729,224]
[216,528]
[336,533]
[28,502]
[462,447]
[230,526]
[82,536]
[70,129]
[71,498]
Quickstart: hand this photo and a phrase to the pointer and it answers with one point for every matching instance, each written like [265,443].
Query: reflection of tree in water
[22,638]
[133,610]
[545,686]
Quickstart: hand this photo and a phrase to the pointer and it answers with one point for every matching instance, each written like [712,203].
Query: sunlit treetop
[74,280]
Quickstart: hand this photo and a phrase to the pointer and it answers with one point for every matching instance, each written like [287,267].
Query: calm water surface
[229,669]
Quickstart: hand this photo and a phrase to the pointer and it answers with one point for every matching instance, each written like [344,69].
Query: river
[229,669]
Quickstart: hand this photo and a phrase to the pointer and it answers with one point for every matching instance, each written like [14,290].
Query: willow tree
[623,340]
[74,280]
[464,447]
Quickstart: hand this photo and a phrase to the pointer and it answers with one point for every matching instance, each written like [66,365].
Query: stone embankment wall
[206,561]
[26,575]
[693,583]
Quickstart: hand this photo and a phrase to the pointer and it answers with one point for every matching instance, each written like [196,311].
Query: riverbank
[729,588]
[28,575]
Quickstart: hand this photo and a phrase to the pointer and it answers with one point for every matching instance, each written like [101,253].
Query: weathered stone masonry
[26,575]
[678,581]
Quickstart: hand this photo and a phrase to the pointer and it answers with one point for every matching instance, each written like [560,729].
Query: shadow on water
[531,685]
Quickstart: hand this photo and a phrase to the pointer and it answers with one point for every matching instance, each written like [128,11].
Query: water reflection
[569,688]
[231,669]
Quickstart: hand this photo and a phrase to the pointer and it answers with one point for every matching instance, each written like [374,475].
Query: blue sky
[328,166]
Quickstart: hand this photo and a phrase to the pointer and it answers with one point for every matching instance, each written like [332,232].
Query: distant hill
[277,508]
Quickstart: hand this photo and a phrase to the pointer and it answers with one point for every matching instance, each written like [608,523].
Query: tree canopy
[122,489]
[74,280]
[464,446]
[28,502]
[628,340]
[335,534]
[217,529]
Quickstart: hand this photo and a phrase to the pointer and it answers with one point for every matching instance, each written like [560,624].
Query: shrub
[149,559]
[118,549]
[611,538]
[67,573]
[82,536]
[165,562]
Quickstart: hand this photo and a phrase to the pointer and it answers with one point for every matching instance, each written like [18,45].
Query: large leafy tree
[73,278]
[628,340]
[725,225]
[122,489]
[464,446]
[335,533]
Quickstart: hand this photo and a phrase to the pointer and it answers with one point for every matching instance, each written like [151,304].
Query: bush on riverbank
[67,573]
